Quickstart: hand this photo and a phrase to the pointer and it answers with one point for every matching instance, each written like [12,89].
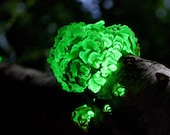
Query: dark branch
[36,101]
[13,72]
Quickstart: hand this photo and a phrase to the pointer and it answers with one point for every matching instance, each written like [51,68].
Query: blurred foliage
[28,27]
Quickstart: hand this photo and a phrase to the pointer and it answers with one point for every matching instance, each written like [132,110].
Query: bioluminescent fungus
[85,55]
[107,108]
[82,115]
[1,59]
[118,90]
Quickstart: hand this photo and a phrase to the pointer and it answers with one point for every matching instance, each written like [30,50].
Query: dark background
[27,31]
[27,27]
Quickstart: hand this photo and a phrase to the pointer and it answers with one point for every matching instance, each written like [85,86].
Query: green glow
[82,115]
[1,59]
[84,55]
[118,90]
[107,108]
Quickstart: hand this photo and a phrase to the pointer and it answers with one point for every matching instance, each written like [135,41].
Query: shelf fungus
[85,57]
[82,115]
[107,109]
[1,59]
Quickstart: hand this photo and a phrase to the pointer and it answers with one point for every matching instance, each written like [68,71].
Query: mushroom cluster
[84,55]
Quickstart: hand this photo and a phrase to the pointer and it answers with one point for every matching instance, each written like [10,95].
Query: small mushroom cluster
[86,56]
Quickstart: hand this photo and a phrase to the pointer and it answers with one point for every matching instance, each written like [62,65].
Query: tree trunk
[35,104]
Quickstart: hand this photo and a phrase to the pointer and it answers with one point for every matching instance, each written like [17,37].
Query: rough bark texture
[36,105]
[145,110]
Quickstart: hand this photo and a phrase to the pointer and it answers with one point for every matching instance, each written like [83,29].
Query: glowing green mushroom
[82,116]
[84,55]
[107,108]
[118,90]
[1,59]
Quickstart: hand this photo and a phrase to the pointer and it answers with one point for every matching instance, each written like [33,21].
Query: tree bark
[145,110]
[35,102]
